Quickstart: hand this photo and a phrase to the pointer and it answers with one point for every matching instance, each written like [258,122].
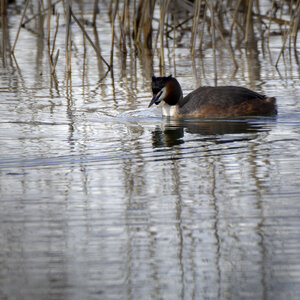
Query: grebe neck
[169,110]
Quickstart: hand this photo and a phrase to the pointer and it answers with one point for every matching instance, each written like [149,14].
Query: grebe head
[167,89]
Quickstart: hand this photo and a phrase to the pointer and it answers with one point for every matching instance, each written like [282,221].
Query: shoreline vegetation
[153,25]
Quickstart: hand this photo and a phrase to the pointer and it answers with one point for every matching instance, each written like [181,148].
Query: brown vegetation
[137,25]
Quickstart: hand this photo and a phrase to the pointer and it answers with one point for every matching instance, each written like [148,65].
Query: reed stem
[289,31]
[115,5]
[42,12]
[19,28]
[197,6]
[249,15]
[89,39]
[68,44]
[213,37]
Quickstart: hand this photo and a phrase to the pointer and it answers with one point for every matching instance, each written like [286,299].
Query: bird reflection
[172,132]
[169,136]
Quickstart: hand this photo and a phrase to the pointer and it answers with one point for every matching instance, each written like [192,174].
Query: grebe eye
[155,91]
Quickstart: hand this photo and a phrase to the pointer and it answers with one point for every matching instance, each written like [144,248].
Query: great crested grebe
[207,101]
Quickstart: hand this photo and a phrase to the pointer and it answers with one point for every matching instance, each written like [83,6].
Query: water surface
[102,198]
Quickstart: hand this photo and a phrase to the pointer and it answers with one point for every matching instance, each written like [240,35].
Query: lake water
[102,198]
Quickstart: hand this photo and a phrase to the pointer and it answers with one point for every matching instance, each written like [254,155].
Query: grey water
[103,198]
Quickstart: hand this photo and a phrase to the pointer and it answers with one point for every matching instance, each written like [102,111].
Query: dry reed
[19,28]
[134,22]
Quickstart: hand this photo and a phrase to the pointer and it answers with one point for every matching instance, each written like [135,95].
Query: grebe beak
[156,98]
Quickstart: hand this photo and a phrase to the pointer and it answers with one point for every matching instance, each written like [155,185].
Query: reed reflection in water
[213,216]
[102,198]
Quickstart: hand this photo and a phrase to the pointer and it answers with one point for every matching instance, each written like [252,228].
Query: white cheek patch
[162,95]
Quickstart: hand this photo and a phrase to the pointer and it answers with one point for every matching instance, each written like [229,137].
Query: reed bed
[154,25]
